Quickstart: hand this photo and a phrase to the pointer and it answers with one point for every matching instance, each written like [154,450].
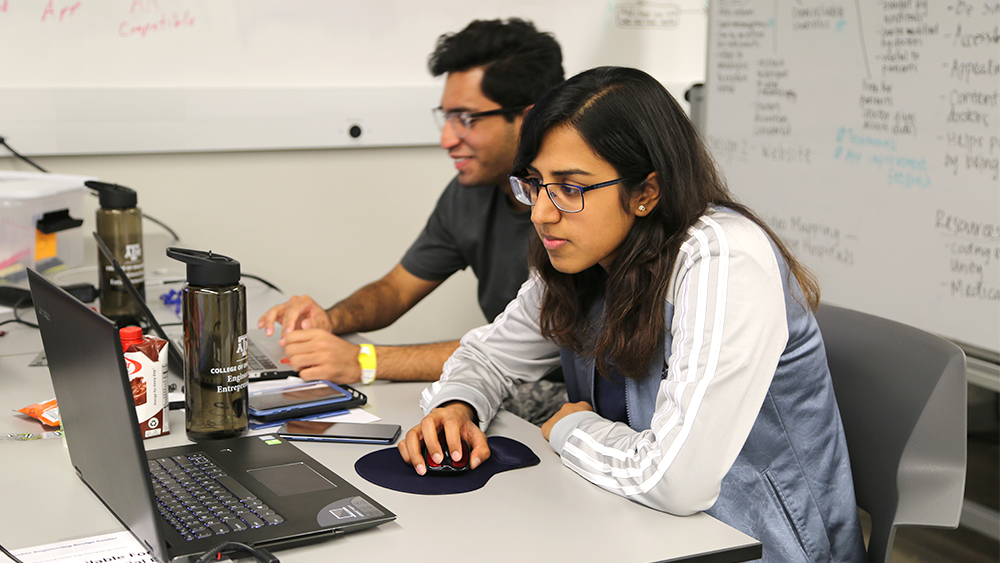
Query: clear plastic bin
[40,223]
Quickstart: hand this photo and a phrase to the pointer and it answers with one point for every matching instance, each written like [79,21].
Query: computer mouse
[447,466]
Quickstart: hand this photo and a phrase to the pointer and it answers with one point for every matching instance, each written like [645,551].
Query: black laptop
[183,501]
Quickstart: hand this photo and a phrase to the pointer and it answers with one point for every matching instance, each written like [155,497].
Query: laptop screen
[95,403]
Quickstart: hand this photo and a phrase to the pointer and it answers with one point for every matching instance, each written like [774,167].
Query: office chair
[902,397]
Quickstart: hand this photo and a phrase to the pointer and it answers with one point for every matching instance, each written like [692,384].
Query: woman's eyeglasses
[566,197]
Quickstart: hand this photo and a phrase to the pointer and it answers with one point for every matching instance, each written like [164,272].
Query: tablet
[305,398]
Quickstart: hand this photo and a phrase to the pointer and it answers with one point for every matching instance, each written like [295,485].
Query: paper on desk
[119,547]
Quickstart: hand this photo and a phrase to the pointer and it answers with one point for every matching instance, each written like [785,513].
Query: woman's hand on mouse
[456,420]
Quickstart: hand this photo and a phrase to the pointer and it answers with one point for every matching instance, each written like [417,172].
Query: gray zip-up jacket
[736,417]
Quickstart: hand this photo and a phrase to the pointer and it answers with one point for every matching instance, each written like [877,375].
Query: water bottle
[119,224]
[215,345]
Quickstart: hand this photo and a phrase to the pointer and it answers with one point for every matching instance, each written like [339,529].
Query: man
[495,71]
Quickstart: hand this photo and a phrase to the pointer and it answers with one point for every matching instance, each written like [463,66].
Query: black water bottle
[119,224]
[215,345]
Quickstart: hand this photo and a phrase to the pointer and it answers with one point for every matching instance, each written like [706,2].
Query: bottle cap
[113,196]
[130,335]
[207,268]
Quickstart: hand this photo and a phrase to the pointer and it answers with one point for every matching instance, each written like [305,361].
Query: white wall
[322,221]
[318,222]
[265,74]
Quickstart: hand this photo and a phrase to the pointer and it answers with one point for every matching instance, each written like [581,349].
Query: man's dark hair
[520,63]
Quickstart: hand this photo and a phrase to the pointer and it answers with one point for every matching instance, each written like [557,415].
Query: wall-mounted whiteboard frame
[155,120]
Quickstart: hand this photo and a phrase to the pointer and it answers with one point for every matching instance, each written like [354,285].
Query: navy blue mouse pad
[386,468]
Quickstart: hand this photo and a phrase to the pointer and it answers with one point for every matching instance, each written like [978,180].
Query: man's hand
[567,409]
[456,420]
[317,354]
[299,312]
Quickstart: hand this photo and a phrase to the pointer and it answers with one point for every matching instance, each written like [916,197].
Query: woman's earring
[642,208]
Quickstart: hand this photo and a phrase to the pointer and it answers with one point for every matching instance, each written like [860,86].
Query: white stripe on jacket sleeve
[728,333]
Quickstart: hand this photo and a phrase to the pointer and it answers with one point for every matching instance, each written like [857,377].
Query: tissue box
[40,223]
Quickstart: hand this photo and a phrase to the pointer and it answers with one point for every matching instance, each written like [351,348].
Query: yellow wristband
[366,357]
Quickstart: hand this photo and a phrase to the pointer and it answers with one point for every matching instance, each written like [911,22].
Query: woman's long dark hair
[633,123]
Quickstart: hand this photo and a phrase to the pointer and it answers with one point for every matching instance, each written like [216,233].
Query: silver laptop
[264,353]
[183,501]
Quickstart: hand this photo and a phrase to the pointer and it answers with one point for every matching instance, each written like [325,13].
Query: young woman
[695,369]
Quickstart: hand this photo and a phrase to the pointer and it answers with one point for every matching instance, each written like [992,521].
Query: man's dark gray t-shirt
[475,226]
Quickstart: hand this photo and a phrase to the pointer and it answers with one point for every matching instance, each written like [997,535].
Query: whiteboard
[867,134]
[131,76]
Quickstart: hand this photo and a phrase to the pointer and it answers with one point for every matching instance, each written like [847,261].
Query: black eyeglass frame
[515,179]
[468,118]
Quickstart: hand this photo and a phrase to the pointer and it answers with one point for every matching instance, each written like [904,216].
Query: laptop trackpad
[291,479]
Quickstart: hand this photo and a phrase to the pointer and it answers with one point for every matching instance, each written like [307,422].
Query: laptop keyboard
[199,499]
[258,360]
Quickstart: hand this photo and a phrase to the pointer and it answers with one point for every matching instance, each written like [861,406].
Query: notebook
[279,495]
[264,353]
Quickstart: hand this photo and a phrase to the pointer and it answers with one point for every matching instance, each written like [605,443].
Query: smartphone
[299,400]
[349,432]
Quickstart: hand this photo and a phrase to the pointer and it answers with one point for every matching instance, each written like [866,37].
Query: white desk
[541,513]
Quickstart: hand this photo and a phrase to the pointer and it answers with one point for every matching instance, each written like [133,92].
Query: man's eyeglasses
[566,197]
[461,121]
